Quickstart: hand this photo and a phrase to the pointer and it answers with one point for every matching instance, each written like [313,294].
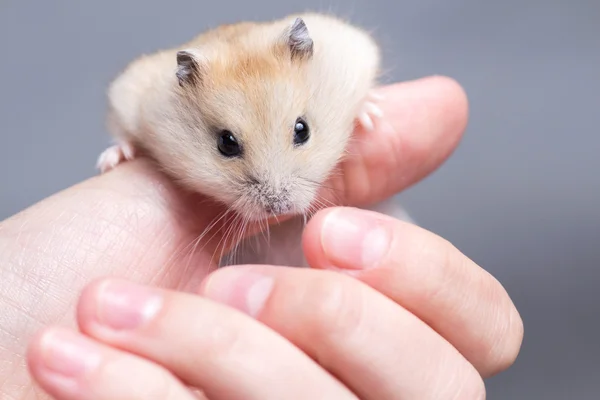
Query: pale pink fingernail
[68,354]
[123,305]
[354,239]
[240,288]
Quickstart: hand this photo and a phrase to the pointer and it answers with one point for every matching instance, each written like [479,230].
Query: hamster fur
[246,86]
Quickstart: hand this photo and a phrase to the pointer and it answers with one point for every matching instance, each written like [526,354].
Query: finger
[218,349]
[70,366]
[423,121]
[377,348]
[425,274]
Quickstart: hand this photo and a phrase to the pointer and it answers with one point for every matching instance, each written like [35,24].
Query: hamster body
[255,115]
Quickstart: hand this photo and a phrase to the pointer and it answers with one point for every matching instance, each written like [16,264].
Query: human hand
[134,224]
[404,315]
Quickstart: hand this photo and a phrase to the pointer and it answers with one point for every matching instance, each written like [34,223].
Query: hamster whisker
[224,217]
[237,235]
[222,243]
[240,240]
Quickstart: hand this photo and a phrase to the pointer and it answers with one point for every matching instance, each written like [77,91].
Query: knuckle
[431,264]
[337,307]
[161,387]
[134,379]
[223,340]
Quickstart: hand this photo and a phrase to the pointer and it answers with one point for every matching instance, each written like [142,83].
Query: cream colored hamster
[255,115]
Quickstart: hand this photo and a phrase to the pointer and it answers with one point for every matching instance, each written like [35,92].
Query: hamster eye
[301,132]
[228,145]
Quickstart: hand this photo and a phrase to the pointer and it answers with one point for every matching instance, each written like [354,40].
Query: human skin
[132,223]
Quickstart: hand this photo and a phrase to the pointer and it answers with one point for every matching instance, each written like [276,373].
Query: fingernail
[68,354]
[240,288]
[354,239]
[125,306]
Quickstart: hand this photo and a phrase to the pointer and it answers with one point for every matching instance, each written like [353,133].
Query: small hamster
[255,115]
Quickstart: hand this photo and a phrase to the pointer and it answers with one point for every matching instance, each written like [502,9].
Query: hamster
[255,115]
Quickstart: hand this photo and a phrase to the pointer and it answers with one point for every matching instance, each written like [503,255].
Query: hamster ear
[299,41]
[188,67]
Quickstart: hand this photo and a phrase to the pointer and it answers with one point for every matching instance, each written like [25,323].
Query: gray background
[521,196]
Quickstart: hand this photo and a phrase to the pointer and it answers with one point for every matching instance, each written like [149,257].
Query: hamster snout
[272,199]
[278,196]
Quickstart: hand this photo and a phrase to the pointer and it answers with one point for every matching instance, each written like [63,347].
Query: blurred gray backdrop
[521,196]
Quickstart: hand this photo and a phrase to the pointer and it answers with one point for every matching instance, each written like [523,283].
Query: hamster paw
[370,111]
[115,155]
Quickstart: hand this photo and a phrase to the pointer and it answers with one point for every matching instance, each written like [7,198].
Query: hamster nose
[278,207]
[272,195]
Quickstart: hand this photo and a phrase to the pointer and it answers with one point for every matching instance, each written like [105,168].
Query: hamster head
[245,127]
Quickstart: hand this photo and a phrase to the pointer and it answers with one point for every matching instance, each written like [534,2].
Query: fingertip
[333,238]
[52,362]
[33,353]
[349,240]
[431,116]
[86,305]
[34,360]
[423,122]
[246,288]
[507,344]
[311,239]
[455,102]
[438,94]
[445,87]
